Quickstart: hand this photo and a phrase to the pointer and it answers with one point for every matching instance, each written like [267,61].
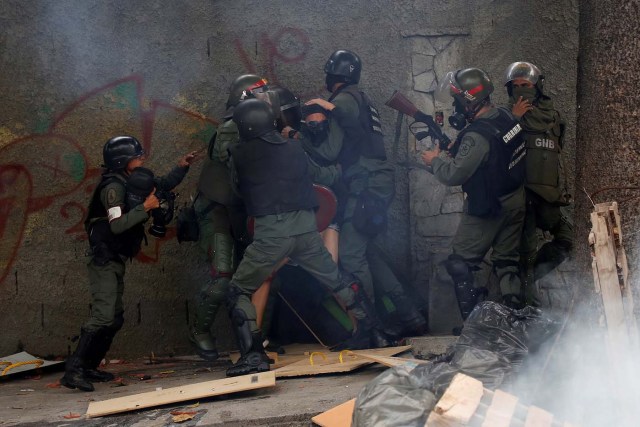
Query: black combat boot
[513,301]
[255,360]
[252,355]
[549,256]
[466,293]
[103,339]
[74,376]
[368,333]
[207,306]
[411,320]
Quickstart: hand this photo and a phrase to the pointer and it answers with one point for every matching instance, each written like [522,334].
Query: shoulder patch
[464,149]
[112,196]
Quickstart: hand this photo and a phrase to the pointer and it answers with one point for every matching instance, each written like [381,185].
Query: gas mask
[458,120]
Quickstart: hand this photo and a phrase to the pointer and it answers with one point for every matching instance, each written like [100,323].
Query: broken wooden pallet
[181,394]
[333,362]
[610,273]
[467,403]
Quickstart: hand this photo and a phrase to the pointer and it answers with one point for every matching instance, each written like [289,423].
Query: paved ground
[36,401]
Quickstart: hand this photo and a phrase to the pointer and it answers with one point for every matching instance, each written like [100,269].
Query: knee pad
[238,317]
[231,297]
[214,292]
[223,254]
[458,269]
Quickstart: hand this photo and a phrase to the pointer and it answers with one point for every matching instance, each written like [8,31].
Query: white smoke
[582,381]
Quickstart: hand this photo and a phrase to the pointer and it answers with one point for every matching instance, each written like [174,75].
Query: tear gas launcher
[400,103]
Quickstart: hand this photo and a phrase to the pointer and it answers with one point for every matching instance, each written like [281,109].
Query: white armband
[114,213]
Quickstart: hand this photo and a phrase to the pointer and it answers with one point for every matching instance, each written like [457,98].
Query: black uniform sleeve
[172,179]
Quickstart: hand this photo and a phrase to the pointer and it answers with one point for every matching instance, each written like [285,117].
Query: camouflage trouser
[475,236]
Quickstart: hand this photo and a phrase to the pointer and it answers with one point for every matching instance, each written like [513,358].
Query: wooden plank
[460,400]
[329,362]
[389,360]
[338,416]
[180,394]
[537,417]
[501,410]
[604,251]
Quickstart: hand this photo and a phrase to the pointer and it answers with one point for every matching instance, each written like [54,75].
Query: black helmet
[119,150]
[255,119]
[346,64]
[241,86]
[288,109]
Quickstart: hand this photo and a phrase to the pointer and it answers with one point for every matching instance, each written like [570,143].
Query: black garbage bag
[494,343]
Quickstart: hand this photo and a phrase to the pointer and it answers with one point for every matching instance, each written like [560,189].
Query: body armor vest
[273,178]
[503,172]
[543,162]
[102,240]
[364,138]
[214,182]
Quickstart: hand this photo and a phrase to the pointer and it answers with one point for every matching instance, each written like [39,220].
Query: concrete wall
[607,161]
[76,72]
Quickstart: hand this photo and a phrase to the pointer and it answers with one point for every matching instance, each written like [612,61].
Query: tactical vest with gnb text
[543,162]
[101,237]
[504,171]
[363,138]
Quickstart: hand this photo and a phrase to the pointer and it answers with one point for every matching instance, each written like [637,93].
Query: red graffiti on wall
[60,168]
[288,45]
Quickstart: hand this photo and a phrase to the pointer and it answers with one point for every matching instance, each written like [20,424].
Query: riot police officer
[271,174]
[488,161]
[119,207]
[221,218]
[545,185]
[353,139]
